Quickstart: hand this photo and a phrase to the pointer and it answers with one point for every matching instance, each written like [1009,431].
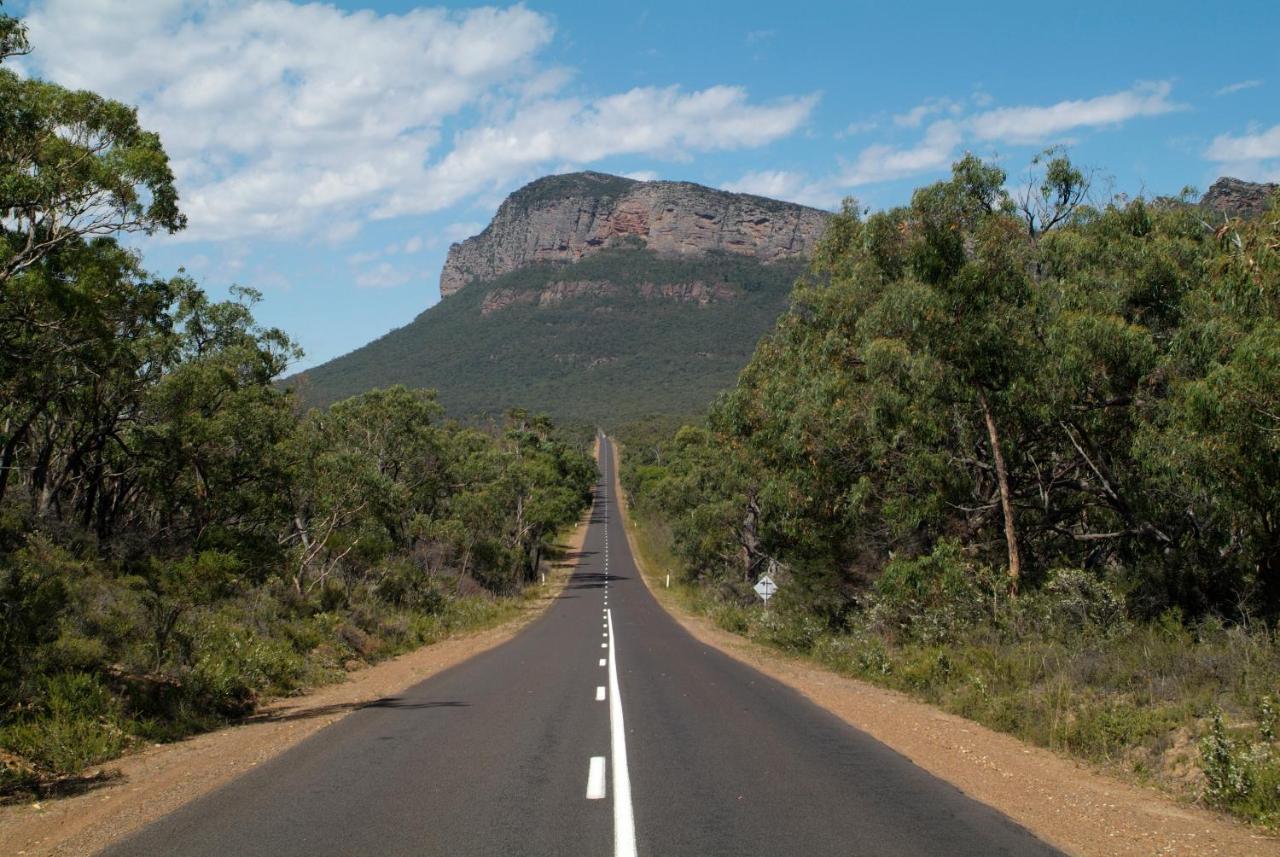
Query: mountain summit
[594,298]
[563,218]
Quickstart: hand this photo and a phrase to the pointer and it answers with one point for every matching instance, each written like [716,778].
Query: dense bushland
[177,540]
[1021,456]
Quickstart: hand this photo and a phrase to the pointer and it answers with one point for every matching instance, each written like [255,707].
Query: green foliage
[73,165]
[557,187]
[74,722]
[932,598]
[1020,458]
[13,37]
[1057,388]
[603,359]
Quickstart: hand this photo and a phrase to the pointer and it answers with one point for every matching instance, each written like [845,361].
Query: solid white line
[624,822]
[595,778]
[600,694]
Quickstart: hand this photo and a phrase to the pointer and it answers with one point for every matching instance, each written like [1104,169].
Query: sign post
[765,587]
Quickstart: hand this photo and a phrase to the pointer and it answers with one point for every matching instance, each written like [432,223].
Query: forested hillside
[177,539]
[1021,457]
[614,337]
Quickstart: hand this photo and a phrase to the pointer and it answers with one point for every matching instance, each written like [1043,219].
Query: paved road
[602,728]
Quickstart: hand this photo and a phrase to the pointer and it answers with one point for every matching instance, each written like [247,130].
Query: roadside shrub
[932,597]
[233,666]
[729,616]
[1077,599]
[74,722]
[404,584]
[33,594]
[790,629]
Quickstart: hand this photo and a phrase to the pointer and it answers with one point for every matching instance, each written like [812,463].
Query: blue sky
[328,154]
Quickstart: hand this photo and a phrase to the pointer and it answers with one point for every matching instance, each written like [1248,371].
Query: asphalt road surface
[603,728]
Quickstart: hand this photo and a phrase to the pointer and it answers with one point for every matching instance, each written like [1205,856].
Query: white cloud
[364,257]
[1254,156]
[1246,147]
[455,232]
[883,163]
[1021,125]
[945,138]
[282,118]
[782,184]
[642,175]
[658,122]
[384,276]
[915,117]
[342,231]
[1233,88]
[853,129]
[413,245]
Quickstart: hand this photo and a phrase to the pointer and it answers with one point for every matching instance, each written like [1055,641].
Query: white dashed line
[600,694]
[595,778]
[602,662]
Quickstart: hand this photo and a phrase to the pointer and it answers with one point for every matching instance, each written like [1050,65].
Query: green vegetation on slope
[1025,463]
[596,359]
[176,540]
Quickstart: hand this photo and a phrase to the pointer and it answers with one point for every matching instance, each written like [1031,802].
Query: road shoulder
[1071,806]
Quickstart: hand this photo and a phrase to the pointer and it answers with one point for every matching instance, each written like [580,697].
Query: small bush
[233,666]
[73,723]
[1079,600]
[933,597]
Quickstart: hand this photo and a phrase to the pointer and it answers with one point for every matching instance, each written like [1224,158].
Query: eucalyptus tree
[72,165]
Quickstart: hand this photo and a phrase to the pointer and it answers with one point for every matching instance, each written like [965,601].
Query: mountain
[1236,198]
[593,298]
[566,217]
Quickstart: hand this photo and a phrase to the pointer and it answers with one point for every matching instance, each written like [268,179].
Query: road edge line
[624,825]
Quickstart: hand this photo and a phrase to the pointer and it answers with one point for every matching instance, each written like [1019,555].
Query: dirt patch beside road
[1065,803]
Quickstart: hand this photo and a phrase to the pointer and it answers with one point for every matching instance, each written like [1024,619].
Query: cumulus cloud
[1246,147]
[1254,156]
[283,117]
[659,122]
[883,163]
[1017,125]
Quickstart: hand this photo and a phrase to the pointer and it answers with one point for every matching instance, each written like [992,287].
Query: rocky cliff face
[1236,198]
[563,218]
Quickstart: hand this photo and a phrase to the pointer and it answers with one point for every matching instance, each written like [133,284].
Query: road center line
[624,824]
[600,693]
[595,778]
